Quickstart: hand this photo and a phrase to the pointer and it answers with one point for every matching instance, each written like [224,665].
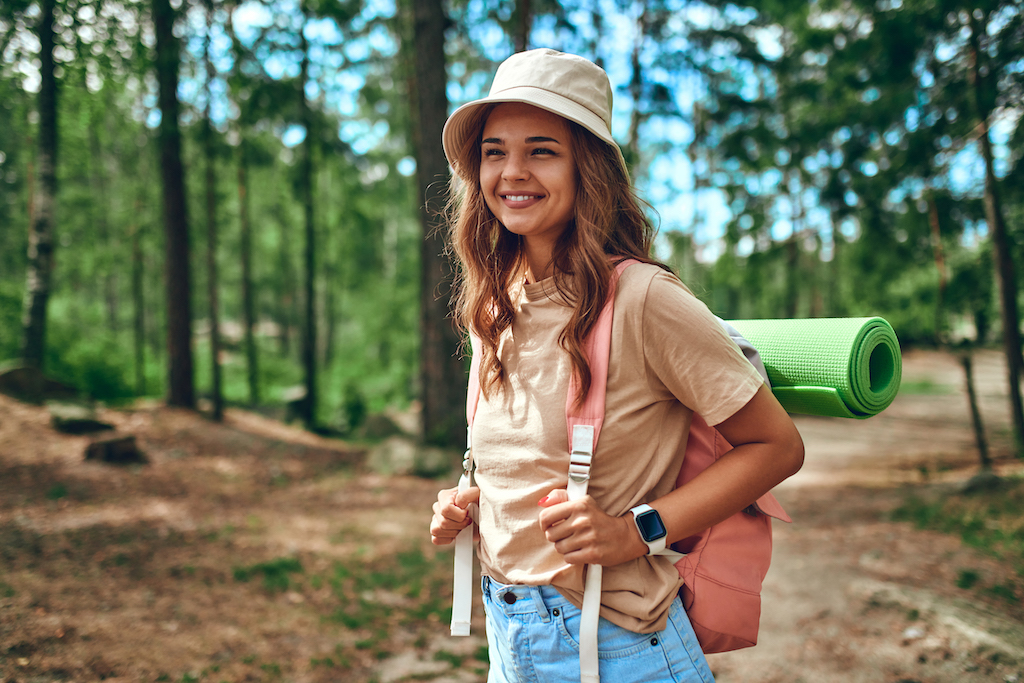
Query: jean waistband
[519,599]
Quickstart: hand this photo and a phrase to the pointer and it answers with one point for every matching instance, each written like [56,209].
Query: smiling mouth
[519,197]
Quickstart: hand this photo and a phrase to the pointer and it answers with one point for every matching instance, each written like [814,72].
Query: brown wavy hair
[608,225]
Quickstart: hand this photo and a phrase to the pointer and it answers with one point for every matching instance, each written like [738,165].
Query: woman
[543,208]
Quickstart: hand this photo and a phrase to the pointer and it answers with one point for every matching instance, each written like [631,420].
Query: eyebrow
[533,140]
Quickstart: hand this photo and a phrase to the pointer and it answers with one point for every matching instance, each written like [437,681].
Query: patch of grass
[966,578]
[1004,591]
[926,387]
[57,491]
[325,662]
[376,596]
[6,590]
[272,669]
[275,573]
[992,521]
[450,657]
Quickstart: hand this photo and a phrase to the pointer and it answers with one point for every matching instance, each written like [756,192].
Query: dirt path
[255,552]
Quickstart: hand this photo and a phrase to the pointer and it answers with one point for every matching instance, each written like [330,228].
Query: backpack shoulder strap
[584,428]
[583,423]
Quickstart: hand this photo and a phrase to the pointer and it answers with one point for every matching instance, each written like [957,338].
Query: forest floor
[253,551]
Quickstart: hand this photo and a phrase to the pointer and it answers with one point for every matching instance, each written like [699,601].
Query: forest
[222,233]
[238,202]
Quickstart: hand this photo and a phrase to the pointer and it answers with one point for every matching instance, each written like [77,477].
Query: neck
[538,260]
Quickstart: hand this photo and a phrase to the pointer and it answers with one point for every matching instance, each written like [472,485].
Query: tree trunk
[100,208]
[181,388]
[248,305]
[1005,273]
[972,402]
[286,302]
[139,306]
[211,232]
[43,218]
[940,266]
[442,372]
[306,183]
[523,20]
[636,84]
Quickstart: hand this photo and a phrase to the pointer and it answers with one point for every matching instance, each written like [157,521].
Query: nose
[515,168]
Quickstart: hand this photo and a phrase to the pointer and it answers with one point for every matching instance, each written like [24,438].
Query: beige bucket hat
[570,86]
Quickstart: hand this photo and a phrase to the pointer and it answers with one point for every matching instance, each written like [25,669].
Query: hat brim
[462,124]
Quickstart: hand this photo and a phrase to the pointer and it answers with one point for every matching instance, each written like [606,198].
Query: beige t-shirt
[669,357]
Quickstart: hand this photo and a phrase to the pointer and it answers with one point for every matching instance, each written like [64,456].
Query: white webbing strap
[462,590]
[588,625]
[580,458]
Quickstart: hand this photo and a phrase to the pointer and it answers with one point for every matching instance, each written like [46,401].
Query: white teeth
[517,198]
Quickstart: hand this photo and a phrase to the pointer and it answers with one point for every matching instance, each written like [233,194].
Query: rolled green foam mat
[837,367]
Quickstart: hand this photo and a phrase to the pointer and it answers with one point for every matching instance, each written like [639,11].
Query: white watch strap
[655,547]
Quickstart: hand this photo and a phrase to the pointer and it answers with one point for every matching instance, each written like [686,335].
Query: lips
[520,200]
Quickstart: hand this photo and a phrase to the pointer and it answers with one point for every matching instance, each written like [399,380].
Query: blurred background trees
[819,158]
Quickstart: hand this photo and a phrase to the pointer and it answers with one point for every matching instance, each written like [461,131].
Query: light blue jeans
[534,638]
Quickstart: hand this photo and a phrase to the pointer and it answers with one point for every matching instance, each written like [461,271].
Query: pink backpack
[722,567]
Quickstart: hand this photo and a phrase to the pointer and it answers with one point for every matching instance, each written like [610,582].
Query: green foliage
[10,318]
[967,578]
[94,362]
[275,573]
[57,491]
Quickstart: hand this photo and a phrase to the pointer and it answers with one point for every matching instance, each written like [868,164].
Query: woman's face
[527,172]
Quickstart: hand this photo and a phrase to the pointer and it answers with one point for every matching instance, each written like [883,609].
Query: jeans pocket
[613,641]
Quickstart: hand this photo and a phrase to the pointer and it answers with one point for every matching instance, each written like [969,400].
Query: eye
[492,152]
[543,150]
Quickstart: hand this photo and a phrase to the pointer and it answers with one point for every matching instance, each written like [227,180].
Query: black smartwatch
[652,529]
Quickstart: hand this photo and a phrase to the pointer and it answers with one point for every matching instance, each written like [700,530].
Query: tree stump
[75,419]
[117,450]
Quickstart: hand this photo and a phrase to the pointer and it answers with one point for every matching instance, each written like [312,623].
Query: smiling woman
[544,219]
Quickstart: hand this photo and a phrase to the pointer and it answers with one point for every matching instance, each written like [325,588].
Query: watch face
[650,525]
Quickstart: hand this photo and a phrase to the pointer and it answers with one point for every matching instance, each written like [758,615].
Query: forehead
[515,120]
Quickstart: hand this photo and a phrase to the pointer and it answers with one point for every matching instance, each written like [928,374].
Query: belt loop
[538,602]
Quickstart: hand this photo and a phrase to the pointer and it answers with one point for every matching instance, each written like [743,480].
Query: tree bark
[306,171]
[972,402]
[248,304]
[43,214]
[523,20]
[940,266]
[1005,273]
[211,231]
[442,372]
[100,208]
[180,384]
[139,306]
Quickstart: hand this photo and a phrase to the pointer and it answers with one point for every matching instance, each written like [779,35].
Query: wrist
[634,544]
[650,528]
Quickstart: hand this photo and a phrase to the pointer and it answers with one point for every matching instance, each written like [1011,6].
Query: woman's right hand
[451,514]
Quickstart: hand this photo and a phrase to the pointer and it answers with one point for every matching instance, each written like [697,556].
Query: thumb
[554,498]
[464,498]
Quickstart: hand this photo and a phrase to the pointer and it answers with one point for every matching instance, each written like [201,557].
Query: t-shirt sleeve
[689,354]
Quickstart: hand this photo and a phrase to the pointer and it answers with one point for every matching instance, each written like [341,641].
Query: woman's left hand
[584,534]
